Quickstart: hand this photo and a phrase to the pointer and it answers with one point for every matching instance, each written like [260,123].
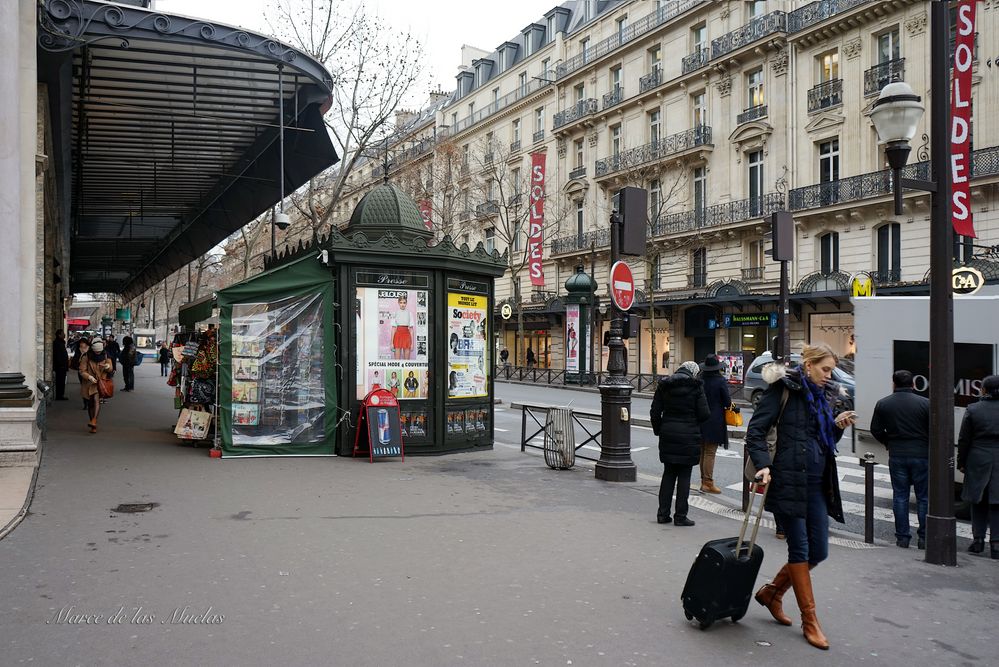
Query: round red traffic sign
[622,285]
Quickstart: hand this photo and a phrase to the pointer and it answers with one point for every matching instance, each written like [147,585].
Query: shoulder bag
[105,387]
[750,470]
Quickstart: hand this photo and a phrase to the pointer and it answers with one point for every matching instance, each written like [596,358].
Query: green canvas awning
[196,311]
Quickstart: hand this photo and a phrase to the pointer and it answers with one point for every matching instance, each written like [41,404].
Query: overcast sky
[442,25]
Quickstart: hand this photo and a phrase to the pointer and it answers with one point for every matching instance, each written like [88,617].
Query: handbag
[750,470]
[105,387]
[733,416]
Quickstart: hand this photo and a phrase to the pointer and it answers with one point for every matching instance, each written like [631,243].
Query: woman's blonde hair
[815,353]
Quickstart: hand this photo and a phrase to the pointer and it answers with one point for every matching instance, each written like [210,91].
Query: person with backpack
[127,357]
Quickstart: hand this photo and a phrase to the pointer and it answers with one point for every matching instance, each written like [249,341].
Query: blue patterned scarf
[821,409]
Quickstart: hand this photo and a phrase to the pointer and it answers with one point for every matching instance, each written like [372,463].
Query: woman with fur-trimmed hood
[804,403]
[678,409]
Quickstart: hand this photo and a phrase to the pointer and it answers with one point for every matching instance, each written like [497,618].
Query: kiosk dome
[388,209]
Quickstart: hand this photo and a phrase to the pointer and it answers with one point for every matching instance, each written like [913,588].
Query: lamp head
[896,113]
[282,221]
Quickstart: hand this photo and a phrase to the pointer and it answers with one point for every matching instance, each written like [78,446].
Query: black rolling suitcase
[721,581]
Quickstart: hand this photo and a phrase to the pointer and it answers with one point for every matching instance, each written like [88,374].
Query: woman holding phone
[804,483]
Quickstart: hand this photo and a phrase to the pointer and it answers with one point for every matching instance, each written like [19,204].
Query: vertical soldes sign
[536,220]
[960,113]
[426,212]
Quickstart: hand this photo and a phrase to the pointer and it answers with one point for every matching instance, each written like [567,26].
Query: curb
[23,512]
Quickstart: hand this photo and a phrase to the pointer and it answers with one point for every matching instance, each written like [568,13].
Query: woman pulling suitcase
[802,477]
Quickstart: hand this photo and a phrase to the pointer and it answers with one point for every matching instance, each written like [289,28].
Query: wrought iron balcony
[886,277]
[514,200]
[695,61]
[613,97]
[510,98]
[754,273]
[655,150]
[581,242]
[489,207]
[752,113]
[718,215]
[487,159]
[539,136]
[756,29]
[463,170]
[515,146]
[817,12]
[697,280]
[578,172]
[650,80]
[464,215]
[575,112]
[825,95]
[881,75]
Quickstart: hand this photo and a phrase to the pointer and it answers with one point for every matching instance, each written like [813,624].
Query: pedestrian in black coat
[803,481]
[714,432]
[678,409]
[978,459]
[60,364]
[127,358]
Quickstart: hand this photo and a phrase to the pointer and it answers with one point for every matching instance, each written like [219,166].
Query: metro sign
[622,284]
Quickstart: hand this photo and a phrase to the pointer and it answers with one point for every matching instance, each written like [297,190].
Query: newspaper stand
[379,427]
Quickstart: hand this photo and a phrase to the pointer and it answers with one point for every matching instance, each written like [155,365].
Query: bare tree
[375,69]
[435,180]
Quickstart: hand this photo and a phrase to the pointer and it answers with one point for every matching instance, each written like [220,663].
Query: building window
[464,239]
[755,258]
[656,58]
[502,59]
[621,24]
[578,145]
[754,88]
[583,48]
[890,252]
[516,234]
[655,269]
[580,93]
[615,79]
[527,44]
[829,171]
[699,267]
[579,220]
[888,47]
[516,130]
[550,30]
[471,109]
[755,8]
[756,183]
[464,155]
[828,67]
[454,119]
[539,119]
[699,38]
[655,122]
[545,65]
[495,98]
[655,199]
[829,253]
[700,190]
[700,108]
[490,241]
[616,140]
[522,83]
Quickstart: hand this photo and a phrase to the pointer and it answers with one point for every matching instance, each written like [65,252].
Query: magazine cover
[467,356]
[393,338]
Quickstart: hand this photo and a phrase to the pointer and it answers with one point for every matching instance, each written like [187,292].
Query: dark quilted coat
[715,431]
[789,470]
[678,409]
[978,451]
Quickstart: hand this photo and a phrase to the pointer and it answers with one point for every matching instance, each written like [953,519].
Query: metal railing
[581,421]
[575,112]
[539,135]
[881,75]
[489,207]
[816,12]
[717,215]
[825,95]
[650,80]
[515,146]
[520,93]
[578,172]
[754,273]
[613,97]
[887,276]
[464,215]
[641,382]
[599,238]
[756,29]
[655,150]
[695,61]
[752,113]
[638,28]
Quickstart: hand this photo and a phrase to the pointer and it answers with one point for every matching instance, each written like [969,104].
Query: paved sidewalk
[474,559]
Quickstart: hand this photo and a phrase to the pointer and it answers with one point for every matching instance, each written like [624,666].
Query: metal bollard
[868,464]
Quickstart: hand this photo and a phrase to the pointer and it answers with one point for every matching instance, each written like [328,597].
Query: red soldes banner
[960,120]
[426,212]
[535,236]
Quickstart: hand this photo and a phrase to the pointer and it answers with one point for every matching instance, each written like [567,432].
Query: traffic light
[780,237]
[632,204]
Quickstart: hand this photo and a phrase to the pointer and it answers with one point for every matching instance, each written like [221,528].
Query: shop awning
[196,311]
[78,323]
[166,133]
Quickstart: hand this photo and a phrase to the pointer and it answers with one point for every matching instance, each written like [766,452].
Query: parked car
[755,385]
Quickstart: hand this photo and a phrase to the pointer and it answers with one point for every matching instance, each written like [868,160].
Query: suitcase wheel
[689,616]
[705,624]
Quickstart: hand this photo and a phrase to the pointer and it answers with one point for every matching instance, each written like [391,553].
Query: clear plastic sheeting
[278,387]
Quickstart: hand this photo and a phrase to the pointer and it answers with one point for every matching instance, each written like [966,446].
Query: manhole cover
[132,508]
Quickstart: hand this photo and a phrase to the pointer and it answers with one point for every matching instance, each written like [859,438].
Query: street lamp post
[895,115]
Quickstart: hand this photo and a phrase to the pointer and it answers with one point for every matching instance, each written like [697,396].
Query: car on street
[755,385]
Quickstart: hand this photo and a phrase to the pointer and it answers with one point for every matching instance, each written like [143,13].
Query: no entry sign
[622,286]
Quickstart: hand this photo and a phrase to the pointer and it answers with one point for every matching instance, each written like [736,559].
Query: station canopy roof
[171,134]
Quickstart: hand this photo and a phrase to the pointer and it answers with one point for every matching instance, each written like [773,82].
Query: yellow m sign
[861,285]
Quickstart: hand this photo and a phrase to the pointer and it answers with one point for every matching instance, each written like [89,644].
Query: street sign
[861,285]
[622,285]
[506,311]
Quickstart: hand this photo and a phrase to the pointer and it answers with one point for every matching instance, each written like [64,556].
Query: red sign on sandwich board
[622,285]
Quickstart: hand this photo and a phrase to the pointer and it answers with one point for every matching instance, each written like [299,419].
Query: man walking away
[901,422]
[164,359]
[113,351]
[60,364]
[127,357]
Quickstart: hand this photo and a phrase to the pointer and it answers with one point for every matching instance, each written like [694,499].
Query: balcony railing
[463,170]
[515,146]
[695,61]
[581,242]
[613,97]
[489,207]
[754,273]
[650,80]
[633,31]
[539,136]
[487,159]
[655,150]
[510,98]
[886,277]
[718,215]
[464,215]
[697,280]
[817,12]
[578,172]
[575,112]
[881,75]
[752,113]
[755,30]
[825,95]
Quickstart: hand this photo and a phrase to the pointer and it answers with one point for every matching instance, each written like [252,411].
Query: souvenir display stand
[194,375]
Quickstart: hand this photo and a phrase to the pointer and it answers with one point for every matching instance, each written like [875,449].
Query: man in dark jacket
[60,364]
[678,409]
[901,422]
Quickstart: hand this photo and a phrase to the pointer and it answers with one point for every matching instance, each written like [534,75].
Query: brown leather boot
[801,581]
[771,596]
[708,468]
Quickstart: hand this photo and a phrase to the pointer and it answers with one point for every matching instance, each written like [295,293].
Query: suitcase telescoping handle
[753,486]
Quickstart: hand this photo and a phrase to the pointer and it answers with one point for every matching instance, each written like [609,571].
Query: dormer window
[528,50]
